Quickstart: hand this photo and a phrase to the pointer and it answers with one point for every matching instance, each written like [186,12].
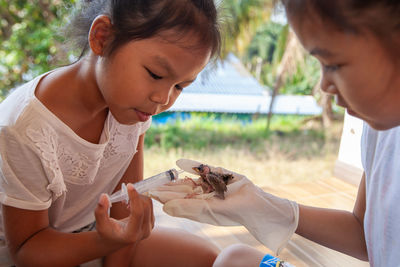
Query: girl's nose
[161,96]
[328,87]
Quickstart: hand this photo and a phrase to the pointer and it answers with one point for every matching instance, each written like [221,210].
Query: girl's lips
[142,115]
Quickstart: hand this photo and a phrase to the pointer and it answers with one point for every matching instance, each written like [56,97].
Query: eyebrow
[321,52]
[165,64]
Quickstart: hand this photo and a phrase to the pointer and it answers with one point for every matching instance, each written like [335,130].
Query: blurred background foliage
[31,42]
[264,54]
[210,132]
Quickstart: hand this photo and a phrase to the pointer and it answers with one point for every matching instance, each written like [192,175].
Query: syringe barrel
[156,180]
[146,185]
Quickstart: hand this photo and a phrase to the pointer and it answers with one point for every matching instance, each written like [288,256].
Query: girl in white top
[74,133]
[357,43]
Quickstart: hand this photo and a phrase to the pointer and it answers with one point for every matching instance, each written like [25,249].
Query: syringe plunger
[120,195]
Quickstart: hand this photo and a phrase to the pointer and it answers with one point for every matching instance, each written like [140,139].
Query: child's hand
[135,227]
[270,219]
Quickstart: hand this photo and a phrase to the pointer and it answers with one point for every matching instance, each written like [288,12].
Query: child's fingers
[135,204]
[141,209]
[101,211]
[148,216]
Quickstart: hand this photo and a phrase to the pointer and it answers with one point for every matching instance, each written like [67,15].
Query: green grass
[210,134]
[297,148]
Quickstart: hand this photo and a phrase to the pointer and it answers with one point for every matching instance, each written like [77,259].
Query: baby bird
[212,181]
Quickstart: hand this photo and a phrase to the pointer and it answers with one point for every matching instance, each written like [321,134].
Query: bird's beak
[196,169]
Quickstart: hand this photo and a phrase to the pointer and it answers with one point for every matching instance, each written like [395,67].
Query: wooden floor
[329,193]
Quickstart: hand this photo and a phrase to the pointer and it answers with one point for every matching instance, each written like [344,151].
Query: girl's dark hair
[350,15]
[140,19]
[380,17]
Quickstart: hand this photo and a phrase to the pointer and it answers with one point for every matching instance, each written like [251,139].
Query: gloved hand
[270,219]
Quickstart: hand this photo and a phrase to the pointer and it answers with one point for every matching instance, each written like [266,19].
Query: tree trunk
[277,86]
[292,56]
[327,112]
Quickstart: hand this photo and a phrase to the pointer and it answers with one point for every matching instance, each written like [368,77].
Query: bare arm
[340,230]
[32,242]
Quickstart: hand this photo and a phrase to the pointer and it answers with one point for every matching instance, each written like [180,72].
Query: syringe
[145,185]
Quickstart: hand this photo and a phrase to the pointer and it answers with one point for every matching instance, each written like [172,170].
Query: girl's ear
[99,34]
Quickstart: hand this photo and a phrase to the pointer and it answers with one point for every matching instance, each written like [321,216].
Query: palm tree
[287,65]
[293,56]
[243,18]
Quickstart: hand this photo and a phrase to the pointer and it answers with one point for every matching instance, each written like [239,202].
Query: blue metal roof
[228,77]
[249,104]
[230,88]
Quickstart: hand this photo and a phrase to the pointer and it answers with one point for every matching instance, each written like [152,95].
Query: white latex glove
[270,219]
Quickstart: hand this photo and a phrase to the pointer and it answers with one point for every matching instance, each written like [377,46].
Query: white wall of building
[348,165]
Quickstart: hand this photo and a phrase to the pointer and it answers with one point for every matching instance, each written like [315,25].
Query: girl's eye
[331,67]
[178,87]
[153,75]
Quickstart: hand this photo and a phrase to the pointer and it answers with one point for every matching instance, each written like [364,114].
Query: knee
[205,256]
[239,255]
[209,257]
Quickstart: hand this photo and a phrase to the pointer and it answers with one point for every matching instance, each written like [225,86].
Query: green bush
[202,132]
[30,39]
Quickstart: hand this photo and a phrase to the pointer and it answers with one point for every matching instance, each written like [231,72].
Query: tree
[288,64]
[263,50]
[29,45]
[291,70]
[243,18]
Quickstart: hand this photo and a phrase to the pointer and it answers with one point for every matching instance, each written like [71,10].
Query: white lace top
[45,165]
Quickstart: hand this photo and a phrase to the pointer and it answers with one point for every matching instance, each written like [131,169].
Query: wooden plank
[347,172]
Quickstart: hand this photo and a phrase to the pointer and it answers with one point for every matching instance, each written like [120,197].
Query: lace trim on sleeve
[45,140]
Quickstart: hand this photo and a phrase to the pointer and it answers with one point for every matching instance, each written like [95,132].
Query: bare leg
[239,255]
[173,247]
